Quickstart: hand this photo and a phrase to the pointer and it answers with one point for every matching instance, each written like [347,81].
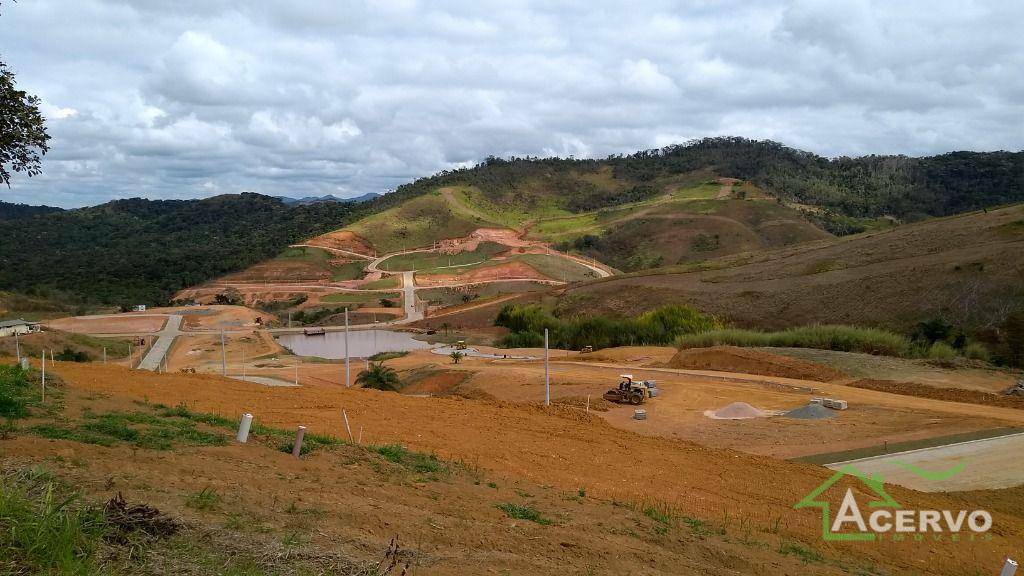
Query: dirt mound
[750,361]
[343,240]
[812,411]
[737,411]
[935,393]
[433,382]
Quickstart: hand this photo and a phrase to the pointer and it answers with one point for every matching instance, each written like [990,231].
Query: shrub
[941,351]
[977,351]
[660,326]
[15,392]
[523,512]
[824,337]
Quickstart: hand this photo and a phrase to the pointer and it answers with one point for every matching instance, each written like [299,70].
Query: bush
[15,392]
[823,337]
[660,326]
[977,351]
[941,351]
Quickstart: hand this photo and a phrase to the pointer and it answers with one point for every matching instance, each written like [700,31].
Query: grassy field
[359,297]
[384,283]
[425,260]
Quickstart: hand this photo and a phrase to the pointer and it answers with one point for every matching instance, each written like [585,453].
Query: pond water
[361,343]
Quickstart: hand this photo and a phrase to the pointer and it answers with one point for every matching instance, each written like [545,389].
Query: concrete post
[547,372]
[243,428]
[1009,568]
[348,373]
[297,447]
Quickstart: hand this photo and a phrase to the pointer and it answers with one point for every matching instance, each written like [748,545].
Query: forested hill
[868,186]
[10,211]
[142,251]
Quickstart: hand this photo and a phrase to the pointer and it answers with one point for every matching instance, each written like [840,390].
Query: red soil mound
[948,394]
[343,240]
[750,361]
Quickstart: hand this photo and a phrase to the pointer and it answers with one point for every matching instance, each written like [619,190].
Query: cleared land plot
[120,324]
[359,297]
[301,263]
[987,464]
[426,260]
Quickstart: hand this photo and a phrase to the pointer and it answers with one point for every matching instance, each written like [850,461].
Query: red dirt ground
[502,271]
[748,361]
[343,240]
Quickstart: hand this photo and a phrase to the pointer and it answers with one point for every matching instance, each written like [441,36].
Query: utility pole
[223,355]
[347,368]
[547,372]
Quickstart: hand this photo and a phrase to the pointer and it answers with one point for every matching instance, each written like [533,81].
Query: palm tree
[379,377]
[445,326]
[456,356]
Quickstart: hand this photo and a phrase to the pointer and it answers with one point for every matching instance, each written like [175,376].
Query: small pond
[361,343]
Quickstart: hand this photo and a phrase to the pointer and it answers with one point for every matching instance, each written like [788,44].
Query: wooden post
[297,447]
[17,346]
[223,355]
[347,427]
[44,375]
[104,354]
[588,403]
[547,372]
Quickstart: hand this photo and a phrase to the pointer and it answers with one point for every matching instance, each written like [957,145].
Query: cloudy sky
[194,98]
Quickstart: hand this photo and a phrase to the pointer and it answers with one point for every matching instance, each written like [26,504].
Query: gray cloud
[195,98]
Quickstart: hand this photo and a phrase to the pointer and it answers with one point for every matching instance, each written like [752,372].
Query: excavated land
[750,361]
[501,271]
[555,450]
[119,324]
[343,240]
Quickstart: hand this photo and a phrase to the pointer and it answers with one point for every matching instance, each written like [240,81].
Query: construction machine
[635,393]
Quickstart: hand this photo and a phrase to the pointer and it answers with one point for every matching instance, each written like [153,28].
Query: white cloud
[194,98]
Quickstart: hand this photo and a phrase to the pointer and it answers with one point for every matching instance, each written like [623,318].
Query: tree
[445,326]
[379,377]
[23,137]
[456,356]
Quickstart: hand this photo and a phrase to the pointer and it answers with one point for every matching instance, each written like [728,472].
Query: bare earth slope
[968,267]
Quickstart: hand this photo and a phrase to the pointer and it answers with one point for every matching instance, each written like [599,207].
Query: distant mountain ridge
[328,198]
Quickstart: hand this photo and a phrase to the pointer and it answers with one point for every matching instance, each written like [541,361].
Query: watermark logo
[885,516]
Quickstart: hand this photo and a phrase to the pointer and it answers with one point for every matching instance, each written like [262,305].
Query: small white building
[139,308]
[12,327]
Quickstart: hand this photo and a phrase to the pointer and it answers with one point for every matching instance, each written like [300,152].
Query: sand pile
[737,411]
[752,361]
[812,411]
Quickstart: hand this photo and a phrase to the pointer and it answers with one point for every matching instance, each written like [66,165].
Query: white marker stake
[243,428]
[223,355]
[44,375]
[547,372]
[104,354]
[588,403]
[297,447]
[348,374]
[347,427]
[360,435]
[1010,568]
[296,374]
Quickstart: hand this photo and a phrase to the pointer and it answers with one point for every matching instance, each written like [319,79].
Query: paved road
[163,343]
[412,311]
[987,464]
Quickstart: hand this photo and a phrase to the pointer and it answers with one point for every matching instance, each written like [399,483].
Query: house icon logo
[874,484]
[887,516]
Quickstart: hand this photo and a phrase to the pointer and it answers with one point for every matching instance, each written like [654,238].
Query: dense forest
[142,251]
[15,211]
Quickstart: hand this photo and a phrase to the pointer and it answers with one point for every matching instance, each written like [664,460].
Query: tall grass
[824,337]
[43,532]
